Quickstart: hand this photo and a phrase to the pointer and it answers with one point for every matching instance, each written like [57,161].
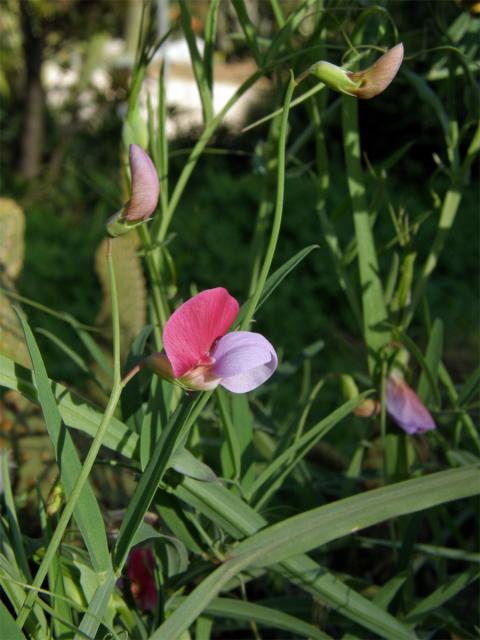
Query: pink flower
[201,354]
[145,185]
[405,407]
[142,582]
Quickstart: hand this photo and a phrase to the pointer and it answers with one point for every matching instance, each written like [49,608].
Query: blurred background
[64,81]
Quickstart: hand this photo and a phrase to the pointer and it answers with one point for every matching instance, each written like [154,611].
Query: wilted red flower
[142,582]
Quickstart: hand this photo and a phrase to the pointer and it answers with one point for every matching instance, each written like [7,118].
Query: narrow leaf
[87,512]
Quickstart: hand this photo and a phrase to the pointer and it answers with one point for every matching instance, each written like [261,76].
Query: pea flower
[361,84]
[142,582]
[405,407]
[144,195]
[200,353]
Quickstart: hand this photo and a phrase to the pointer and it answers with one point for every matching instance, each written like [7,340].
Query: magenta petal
[243,360]
[406,408]
[145,185]
[191,331]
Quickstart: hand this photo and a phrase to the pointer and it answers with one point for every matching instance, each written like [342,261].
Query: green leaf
[316,527]
[62,615]
[249,29]
[444,593]
[309,530]
[418,355]
[97,607]
[184,462]
[239,520]
[73,409]
[11,516]
[210,34]
[197,63]
[137,508]
[302,446]
[10,629]
[87,512]
[240,610]
[469,387]
[150,479]
[276,279]
[389,590]
[375,328]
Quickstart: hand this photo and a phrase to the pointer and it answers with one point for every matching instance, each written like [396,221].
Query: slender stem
[115,315]
[277,216]
[160,304]
[67,513]
[197,152]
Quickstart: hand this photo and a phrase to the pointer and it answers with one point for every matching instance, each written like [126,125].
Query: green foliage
[341,239]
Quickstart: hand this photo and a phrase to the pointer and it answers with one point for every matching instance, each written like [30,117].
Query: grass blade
[87,512]
[239,520]
[276,279]
[444,593]
[240,610]
[313,528]
[374,311]
[75,412]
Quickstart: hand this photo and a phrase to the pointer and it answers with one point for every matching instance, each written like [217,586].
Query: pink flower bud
[406,408]
[145,185]
[361,84]
[376,78]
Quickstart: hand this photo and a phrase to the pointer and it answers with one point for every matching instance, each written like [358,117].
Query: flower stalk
[117,388]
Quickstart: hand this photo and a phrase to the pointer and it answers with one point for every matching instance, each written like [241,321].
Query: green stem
[67,513]
[277,216]
[197,152]
[160,303]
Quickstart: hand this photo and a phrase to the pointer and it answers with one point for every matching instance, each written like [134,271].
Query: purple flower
[405,407]
[202,355]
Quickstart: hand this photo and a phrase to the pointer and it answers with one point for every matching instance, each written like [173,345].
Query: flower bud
[334,77]
[159,363]
[361,84]
[144,195]
[145,185]
[376,78]
[405,407]
[368,407]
